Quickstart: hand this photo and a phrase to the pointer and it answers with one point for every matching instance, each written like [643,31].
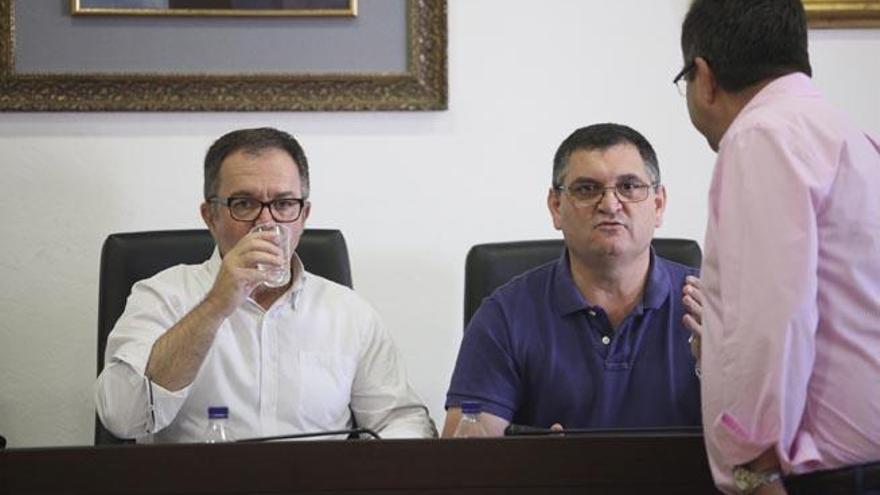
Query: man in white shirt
[308,356]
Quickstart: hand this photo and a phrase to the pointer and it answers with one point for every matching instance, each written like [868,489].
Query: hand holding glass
[279,276]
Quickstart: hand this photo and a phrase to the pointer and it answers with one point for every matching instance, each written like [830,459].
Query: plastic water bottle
[218,427]
[469,425]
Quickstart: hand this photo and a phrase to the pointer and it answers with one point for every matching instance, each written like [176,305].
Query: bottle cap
[220,412]
[471,407]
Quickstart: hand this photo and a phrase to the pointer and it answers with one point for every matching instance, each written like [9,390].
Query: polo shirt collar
[569,300]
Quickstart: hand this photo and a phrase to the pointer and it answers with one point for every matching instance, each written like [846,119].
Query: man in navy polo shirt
[594,339]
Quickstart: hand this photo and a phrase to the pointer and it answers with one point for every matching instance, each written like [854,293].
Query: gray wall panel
[49,40]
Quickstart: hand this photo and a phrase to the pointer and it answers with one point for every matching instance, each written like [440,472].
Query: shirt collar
[299,283]
[566,295]
[569,299]
[658,286]
[795,84]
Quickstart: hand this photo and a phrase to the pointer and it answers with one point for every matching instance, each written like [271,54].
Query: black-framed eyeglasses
[591,193]
[680,79]
[244,209]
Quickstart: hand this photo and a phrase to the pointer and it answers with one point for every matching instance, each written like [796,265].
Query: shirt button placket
[269,368]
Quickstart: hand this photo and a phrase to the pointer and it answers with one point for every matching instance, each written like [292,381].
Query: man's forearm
[493,425]
[764,462]
[178,354]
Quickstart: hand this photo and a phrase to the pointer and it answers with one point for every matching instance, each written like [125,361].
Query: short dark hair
[253,141]
[747,41]
[601,137]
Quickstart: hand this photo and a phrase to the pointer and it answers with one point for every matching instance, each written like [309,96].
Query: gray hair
[253,141]
[601,137]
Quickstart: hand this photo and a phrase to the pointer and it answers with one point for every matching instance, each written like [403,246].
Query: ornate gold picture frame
[843,13]
[239,8]
[421,86]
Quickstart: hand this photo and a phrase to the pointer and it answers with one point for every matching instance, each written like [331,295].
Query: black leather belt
[853,480]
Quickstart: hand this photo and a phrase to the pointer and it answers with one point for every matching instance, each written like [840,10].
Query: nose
[609,201]
[265,216]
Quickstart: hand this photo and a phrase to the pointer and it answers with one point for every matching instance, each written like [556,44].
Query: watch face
[747,481]
[743,479]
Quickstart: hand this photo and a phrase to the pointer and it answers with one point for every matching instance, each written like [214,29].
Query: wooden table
[597,463]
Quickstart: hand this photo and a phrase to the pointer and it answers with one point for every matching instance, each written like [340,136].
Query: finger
[263,234]
[695,312]
[694,342]
[693,291]
[693,306]
[251,259]
[251,277]
[239,280]
[693,325]
[263,240]
[694,287]
[260,244]
[696,294]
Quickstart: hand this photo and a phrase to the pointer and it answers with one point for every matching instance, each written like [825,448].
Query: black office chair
[490,266]
[129,257]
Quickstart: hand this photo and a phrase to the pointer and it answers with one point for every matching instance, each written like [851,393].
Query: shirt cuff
[163,404]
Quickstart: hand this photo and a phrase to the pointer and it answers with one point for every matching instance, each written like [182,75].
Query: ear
[207,211]
[553,204]
[307,209]
[704,82]
[659,205]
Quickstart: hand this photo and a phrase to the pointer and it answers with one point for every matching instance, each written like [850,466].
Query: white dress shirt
[317,359]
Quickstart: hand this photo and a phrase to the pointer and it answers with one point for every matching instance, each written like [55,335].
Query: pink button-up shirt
[791,346]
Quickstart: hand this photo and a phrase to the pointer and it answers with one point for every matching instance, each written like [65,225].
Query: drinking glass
[279,276]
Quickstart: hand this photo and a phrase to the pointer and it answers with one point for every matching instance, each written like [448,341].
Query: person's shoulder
[528,283]
[333,295]
[789,110]
[514,311]
[520,298]
[762,123]
[182,277]
[677,271]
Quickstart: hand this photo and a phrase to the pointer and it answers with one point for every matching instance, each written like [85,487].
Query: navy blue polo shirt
[536,353]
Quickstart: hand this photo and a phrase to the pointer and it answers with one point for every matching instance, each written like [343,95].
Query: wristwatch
[747,481]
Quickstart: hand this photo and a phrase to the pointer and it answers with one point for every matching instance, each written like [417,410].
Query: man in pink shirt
[791,277]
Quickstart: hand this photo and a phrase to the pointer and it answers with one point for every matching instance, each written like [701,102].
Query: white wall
[411,191]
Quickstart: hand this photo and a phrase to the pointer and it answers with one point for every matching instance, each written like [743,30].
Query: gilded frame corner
[829,14]
[423,86]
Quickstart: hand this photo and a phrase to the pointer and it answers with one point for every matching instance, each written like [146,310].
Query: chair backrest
[490,266]
[129,257]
